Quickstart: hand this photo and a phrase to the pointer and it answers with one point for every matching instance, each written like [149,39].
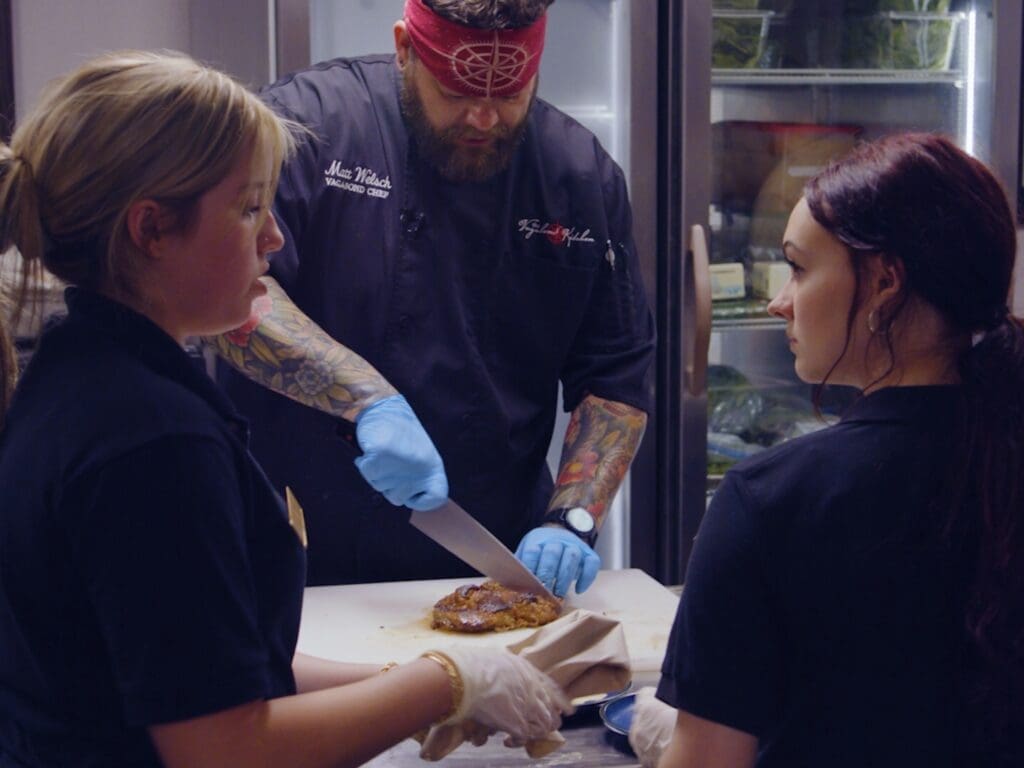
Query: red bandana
[475,62]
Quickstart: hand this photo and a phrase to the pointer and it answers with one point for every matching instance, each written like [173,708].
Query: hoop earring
[873,322]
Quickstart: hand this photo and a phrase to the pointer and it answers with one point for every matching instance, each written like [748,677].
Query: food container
[920,40]
[900,40]
[768,278]
[738,38]
[727,281]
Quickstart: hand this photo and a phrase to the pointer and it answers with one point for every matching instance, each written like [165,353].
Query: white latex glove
[507,693]
[652,727]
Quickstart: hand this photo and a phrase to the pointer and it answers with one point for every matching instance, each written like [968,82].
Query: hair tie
[17,157]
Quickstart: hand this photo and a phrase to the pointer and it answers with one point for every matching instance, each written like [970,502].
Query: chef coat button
[467,419]
[404,322]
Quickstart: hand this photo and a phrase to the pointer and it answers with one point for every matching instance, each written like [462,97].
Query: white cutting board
[377,623]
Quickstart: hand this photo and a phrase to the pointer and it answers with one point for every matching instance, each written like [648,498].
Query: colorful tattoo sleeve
[600,443]
[282,349]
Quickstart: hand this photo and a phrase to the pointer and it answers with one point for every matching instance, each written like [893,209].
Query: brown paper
[583,652]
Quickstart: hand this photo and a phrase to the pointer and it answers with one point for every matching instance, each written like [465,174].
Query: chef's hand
[399,459]
[558,558]
[651,730]
[507,693]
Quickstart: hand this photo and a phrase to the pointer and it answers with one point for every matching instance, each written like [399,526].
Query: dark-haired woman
[855,596]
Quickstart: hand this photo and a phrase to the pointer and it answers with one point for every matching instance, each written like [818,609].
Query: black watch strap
[564,516]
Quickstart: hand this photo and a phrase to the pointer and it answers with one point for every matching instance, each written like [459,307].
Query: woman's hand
[507,693]
[651,729]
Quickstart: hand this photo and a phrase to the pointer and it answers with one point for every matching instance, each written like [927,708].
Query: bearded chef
[454,248]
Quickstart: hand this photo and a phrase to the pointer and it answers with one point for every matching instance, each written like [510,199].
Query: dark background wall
[6,72]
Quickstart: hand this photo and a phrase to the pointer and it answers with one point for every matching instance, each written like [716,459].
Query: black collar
[145,340]
[905,404]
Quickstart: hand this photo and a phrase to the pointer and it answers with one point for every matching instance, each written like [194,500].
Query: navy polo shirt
[822,610]
[148,571]
[474,300]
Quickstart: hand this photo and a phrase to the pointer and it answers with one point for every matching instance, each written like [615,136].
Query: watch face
[580,519]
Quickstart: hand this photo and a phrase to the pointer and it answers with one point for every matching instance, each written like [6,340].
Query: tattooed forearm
[282,349]
[599,445]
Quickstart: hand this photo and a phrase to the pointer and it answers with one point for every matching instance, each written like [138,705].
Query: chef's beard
[440,148]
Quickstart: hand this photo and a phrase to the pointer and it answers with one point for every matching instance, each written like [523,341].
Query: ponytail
[8,364]
[989,505]
[8,216]
[21,234]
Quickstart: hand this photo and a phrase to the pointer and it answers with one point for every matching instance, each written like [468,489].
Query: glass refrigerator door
[795,83]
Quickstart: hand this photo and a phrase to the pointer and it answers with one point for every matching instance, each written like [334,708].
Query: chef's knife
[457,531]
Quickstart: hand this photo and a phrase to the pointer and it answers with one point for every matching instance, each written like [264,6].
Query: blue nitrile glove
[399,458]
[558,558]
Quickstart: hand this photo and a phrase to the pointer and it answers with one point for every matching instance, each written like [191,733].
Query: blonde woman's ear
[143,222]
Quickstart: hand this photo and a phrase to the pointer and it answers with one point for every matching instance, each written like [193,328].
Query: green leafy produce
[737,39]
[920,43]
[722,381]
[865,43]
[723,376]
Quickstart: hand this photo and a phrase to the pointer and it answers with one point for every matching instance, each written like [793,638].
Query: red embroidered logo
[557,233]
[554,232]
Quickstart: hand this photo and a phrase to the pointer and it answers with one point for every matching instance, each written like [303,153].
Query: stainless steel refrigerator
[718,110]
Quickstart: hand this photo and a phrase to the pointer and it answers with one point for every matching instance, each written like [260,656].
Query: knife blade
[461,534]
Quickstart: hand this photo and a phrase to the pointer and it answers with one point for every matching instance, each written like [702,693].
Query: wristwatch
[575,519]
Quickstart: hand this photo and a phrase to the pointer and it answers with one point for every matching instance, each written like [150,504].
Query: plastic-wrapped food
[724,450]
[757,415]
[737,38]
[723,379]
[920,41]
[898,34]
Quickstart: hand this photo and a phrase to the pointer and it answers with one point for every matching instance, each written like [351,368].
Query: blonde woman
[151,583]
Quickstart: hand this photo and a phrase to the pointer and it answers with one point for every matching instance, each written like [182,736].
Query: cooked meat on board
[490,607]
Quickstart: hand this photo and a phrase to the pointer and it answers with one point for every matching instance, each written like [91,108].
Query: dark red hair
[921,200]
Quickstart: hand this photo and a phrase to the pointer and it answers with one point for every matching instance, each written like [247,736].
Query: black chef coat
[473,300]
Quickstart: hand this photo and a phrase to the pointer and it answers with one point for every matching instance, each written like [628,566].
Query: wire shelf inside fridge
[804,77]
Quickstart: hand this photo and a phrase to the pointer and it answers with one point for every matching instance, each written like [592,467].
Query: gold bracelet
[454,680]
[387,667]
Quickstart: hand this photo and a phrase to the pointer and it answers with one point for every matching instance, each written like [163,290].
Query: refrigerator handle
[697,285]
